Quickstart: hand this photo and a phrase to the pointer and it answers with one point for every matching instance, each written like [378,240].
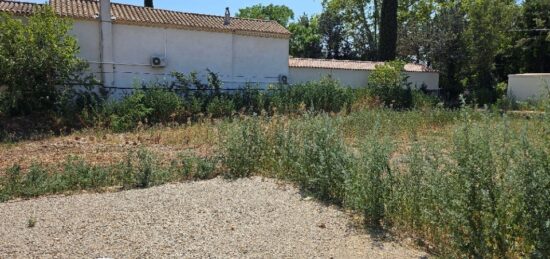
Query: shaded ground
[244,218]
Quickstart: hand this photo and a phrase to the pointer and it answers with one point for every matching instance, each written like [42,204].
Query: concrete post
[106,44]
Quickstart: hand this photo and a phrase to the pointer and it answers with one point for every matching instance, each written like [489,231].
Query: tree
[306,39]
[331,27]
[415,30]
[489,23]
[279,13]
[388,30]
[148,3]
[448,53]
[360,19]
[534,42]
[38,58]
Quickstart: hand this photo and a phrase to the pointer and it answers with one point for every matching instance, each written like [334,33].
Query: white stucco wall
[237,59]
[523,87]
[358,78]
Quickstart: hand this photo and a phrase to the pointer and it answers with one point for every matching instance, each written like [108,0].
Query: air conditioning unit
[158,61]
[283,79]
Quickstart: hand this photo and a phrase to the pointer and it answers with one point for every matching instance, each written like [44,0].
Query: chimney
[227,20]
[106,43]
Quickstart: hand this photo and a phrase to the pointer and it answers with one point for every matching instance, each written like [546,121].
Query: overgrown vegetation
[468,183]
[481,191]
[138,170]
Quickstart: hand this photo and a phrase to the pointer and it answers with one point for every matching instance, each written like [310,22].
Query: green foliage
[389,83]
[279,13]
[38,61]
[164,104]
[139,170]
[243,149]
[483,194]
[423,101]
[323,163]
[534,39]
[127,113]
[220,107]
[368,188]
[326,95]
[306,38]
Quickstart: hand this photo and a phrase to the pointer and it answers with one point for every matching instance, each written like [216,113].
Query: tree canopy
[280,13]
[474,44]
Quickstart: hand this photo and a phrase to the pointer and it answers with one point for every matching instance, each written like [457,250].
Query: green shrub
[243,149]
[423,101]
[389,83]
[162,102]
[127,113]
[325,95]
[38,60]
[220,106]
[325,163]
[250,99]
[369,186]
[34,183]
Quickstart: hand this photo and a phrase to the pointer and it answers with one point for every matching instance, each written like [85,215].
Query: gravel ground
[248,218]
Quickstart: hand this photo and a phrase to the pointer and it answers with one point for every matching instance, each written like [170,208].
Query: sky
[217,7]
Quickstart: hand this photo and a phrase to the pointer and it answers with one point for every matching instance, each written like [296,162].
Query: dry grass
[101,147]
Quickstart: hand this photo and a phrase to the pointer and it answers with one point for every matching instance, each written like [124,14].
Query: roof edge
[424,69]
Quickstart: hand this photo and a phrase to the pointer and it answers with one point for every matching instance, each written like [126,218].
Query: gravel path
[250,218]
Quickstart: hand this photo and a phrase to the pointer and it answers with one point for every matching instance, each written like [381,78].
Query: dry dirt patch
[220,219]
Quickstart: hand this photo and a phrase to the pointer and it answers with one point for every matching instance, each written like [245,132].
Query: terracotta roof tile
[131,14]
[348,64]
[124,13]
[21,8]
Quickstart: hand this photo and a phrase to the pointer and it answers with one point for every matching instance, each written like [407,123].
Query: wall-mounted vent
[158,61]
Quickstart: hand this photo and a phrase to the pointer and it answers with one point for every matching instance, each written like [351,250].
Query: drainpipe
[106,44]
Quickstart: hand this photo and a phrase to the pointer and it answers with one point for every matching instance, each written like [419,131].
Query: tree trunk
[388,30]
[148,3]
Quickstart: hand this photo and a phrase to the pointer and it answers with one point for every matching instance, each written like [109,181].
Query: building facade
[121,43]
[128,46]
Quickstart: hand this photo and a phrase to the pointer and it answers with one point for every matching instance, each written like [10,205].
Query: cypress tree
[388,30]
[148,3]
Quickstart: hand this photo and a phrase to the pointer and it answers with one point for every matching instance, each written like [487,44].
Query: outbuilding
[523,87]
[356,73]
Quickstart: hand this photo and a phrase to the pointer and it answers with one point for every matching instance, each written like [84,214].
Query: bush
[243,149]
[38,59]
[369,186]
[389,83]
[325,95]
[220,106]
[163,102]
[423,101]
[129,112]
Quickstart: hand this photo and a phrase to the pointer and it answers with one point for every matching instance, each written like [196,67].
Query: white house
[125,44]
[355,73]
[523,87]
